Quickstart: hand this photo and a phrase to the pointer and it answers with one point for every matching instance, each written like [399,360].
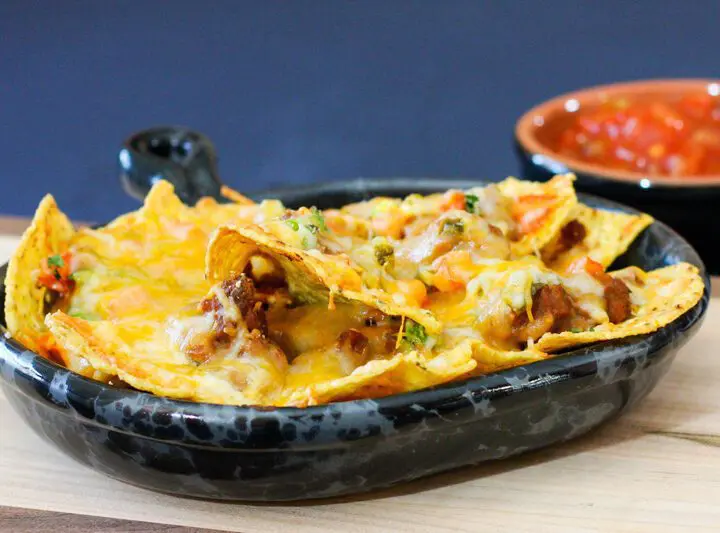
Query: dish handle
[184,157]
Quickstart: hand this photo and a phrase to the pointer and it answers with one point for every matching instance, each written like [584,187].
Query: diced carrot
[529,211]
[452,271]
[389,224]
[414,291]
[453,200]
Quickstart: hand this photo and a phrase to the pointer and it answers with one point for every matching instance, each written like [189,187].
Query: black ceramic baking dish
[275,454]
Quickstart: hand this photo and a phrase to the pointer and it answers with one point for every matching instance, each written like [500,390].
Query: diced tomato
[670,136]
[55,273]
[592,267]
[697,106]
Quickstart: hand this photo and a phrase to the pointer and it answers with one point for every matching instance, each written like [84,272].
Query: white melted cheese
[228,308]
[269,210]
[182,331]
[588,294]
[637,298]
[511,287]
[583,283]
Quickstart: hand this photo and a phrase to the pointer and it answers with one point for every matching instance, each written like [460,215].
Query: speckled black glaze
[226,452]
[691,211]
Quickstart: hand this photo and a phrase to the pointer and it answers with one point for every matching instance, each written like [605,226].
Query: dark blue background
[301,91]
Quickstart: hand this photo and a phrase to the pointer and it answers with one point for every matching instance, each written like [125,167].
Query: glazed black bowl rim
[36,369]
[559,164]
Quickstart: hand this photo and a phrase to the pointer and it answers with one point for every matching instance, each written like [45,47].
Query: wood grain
[655,469]
[17,520]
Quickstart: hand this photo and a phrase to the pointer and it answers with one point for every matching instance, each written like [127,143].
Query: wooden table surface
[656,468]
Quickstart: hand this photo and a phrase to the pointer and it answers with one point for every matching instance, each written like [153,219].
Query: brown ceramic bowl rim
[525,131]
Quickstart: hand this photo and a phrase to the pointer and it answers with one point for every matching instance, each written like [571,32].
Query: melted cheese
[140,280]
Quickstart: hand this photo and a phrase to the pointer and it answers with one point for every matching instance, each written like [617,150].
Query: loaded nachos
[257,304]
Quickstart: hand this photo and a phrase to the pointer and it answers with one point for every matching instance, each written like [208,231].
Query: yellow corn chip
[150,362]
[491,359]
[540,210]
[608,234]
[667,293]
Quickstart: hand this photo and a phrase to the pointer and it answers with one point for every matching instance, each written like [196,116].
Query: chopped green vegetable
[384,253]
[317,219]
[293,224]
[453,226]
[415,333]
[575,330]
[81,275]
[56,261]
[471,201]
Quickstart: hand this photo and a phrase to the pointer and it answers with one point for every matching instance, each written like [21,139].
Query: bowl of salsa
[653,144]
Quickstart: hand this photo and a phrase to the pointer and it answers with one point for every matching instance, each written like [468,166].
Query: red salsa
[662,136]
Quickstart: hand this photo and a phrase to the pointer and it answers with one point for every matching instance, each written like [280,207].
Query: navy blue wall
[299,91]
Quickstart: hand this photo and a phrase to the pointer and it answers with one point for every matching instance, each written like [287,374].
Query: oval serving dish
[276,454]
[688,203]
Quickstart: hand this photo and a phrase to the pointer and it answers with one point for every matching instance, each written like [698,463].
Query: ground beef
[241,291]
[617,301]
[572,233]
[352,341]
[551,309]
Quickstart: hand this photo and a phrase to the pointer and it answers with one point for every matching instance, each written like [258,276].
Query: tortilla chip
[25,302]
[491,359]
[311,275]
[545,207]
[153,365]
[381,377]
[101,345]
[667,293]
[608,236]
[164,214]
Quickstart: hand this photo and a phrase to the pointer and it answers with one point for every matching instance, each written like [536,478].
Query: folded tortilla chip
[540,210]
[26,302]
[608,234]
[311,275]
[665,294]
